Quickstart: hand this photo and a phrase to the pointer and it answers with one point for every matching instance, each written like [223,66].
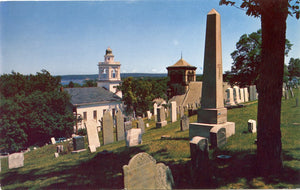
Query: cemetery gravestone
[92,135]
[15,160]
[253,93]
[142,172]
[229,100]
[59,148]
[120,126]
[108,133]
[53,140]
[199,159]
[92,148]
[149,115]
[236,94]
[141,125]
[292,93]
[242,95]
[161,121]
[133,137]
[252,126]
[218,136]
[56,155]
[127,125]
[184,123]
[155,111]
[246,94]
[173,112]
[78,143]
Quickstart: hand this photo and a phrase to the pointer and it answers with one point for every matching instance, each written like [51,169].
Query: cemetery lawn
[95,170]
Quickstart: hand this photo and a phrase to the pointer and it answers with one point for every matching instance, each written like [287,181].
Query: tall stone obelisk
[212,112]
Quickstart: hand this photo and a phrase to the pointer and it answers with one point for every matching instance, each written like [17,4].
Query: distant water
[66,79]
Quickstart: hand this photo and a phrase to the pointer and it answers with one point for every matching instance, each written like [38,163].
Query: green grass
[92,170]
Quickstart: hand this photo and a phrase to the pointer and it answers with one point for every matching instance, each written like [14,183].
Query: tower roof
[108,51]
[181,63]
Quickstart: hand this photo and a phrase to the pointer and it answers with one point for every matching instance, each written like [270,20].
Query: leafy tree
[89,83]
[273,15]
[32,110]
[247,59]
[294,67]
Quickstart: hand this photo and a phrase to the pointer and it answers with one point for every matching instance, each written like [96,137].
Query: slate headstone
[184,123]
[16,160]
[141,125]
[161,117]
[199,159]
[252,126]
[120,126]
[133,137]
[108,133]
[127,125]
[217,136]
[78,143]
[142,172]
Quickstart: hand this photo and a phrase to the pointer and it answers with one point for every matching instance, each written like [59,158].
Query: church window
[84,116]
[95,114]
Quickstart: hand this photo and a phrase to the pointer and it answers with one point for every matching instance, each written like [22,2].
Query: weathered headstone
[184,123]
[92,135]
[181,111]
[56,155]
[252,126]
[242,95]
[141,125]
[133,137]
[173,111]
[217,136]
[212,112]
[155,109]
[108,133]
[253,93]
[53,140]
[246,94]
[59,148]
[142,172]
[199,159]
[120,126]
[236,94]
[127,125]
[16,160]
[229,99]
[161,117]
[78,143]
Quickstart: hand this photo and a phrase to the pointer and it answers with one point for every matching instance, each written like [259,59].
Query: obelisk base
[212,115]
[203,129]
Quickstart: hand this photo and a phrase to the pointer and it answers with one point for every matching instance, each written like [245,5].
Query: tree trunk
[273,24]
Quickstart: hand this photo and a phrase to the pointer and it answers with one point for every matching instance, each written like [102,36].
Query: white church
[90,103]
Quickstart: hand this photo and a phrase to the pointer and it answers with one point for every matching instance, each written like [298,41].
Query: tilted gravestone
[142,172]
[120,126]
[141,125]
[252,126]
[133,137]
[217,136]
[78,143]
[16,160]
[127,125]
[108,133]
[184,123]
[92,135]
[199,159]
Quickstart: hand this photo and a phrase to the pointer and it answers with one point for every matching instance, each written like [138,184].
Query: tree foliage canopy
[138,93]
[32,110]
[294,67]
[247,59]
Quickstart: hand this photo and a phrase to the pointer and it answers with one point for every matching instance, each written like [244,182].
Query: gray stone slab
[133,137]
[120,126]
[108,133]
[252,126]
[16,160]
[127,125]
[161,115]
[217,137]
[142,172]
[92,135]
[78,143]
[184,123]
[141,125]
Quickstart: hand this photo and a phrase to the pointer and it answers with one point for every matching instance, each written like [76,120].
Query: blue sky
[70,37]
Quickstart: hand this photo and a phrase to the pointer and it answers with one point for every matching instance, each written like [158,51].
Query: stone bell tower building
[109,72]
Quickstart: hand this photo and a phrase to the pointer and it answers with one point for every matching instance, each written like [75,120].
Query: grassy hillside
[95,170]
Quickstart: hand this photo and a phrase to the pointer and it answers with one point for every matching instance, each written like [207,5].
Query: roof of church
[91,95]
[181,63]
